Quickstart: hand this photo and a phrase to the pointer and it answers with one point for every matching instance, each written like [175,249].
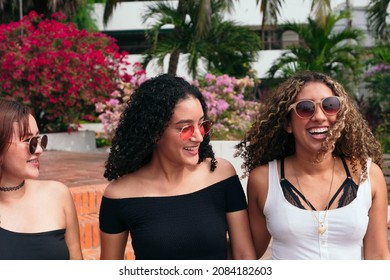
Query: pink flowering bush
[56,69]
[231,114]
[110,109]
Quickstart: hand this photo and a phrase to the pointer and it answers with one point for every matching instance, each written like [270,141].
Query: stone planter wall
[77,141]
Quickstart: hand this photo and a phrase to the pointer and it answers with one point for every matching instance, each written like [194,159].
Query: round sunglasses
[187,131]
[305,109]
[34,141]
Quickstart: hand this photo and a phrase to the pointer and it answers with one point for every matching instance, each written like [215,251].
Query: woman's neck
[313,165]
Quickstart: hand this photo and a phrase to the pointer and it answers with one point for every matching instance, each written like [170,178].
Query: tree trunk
[173,62]
[175,54]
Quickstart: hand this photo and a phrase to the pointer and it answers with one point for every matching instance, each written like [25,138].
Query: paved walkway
[73,168]
[78,170]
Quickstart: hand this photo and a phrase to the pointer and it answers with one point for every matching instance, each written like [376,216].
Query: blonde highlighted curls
[350,137]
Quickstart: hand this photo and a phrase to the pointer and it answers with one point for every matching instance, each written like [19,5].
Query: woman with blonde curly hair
[315,181]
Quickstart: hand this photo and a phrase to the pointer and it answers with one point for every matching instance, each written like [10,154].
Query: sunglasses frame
[39,138]
[295,104]
[193,129]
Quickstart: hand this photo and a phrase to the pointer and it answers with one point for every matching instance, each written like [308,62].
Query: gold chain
[321,228]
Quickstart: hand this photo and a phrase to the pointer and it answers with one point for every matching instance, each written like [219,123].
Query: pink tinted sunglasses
[187,131]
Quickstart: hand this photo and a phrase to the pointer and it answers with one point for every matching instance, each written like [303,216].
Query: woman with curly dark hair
[166,189]
[315,181]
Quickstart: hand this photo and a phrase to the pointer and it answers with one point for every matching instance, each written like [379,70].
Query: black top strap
[345,167]
[282,169]
[282,178]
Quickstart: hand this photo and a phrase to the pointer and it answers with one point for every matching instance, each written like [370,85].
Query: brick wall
[87,201]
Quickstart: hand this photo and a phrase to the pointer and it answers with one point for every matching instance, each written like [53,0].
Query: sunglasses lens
[34,141]
[33,144]
[331,105]
[305,109]
[187,132]
[44,141]
[205,127]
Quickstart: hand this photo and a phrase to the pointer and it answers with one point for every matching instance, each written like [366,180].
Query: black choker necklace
[10,189]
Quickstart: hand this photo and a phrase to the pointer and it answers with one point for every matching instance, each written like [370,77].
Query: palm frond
[270,9]
[108,10]
[225,46]
[322,48]
[376,18]
[320,10]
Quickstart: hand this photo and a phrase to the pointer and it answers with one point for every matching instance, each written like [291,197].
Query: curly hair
[147,115]
[12,112]
[350,137]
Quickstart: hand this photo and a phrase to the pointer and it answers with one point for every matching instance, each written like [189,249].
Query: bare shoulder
[259,172]
[377,178]
[257,187]
[224,170]
[225,167]
[258,178]
[50,186]
[126,186]
[55,190]
[375,170]
[111,191]
[201,175]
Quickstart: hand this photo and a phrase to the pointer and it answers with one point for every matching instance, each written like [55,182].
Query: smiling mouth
[318,131]
[191,149]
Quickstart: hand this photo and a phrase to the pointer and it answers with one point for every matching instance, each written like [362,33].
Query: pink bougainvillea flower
[58,70]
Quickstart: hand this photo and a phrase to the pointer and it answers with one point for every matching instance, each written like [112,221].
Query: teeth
[190,149]
[318,130]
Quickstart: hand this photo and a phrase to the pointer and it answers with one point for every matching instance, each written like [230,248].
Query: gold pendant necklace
[321,227]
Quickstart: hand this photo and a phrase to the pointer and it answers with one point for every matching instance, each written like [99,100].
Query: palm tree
[202,17]
[320,9]
[226,47]
[270,9]
[376,18]
[229,48]
[380,54]
[82,18]
[78,11]
[323,49]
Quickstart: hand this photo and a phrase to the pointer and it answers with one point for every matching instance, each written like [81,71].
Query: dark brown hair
[12,112]
[145,119]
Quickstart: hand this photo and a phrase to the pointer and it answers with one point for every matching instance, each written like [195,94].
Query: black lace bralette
[345,194]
